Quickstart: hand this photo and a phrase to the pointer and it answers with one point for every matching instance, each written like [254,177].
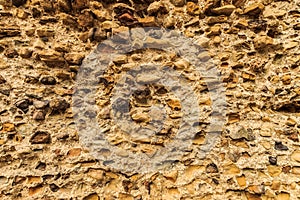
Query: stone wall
[253,44]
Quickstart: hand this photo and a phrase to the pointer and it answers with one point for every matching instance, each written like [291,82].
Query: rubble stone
[254,9]
[262,42]
[40,137]
[178,2]
[296,156]
[193,9]
[224,10]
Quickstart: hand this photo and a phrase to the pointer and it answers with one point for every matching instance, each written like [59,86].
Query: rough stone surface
[255,47]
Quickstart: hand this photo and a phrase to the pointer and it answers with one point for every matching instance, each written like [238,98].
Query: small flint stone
[273,160]
[23,105]
[280,147]
[243,133]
